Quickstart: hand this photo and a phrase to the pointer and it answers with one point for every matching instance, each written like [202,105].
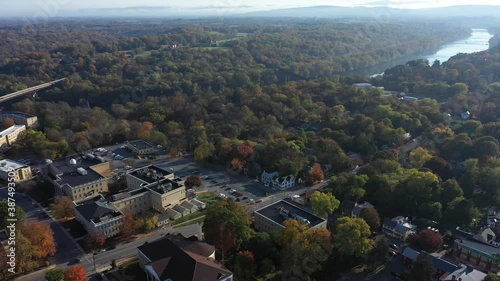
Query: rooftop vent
[72,161]
[82,171]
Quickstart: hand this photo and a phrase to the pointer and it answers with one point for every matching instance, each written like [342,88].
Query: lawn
[207,197]
[76,229]
[129,271]
[189,217]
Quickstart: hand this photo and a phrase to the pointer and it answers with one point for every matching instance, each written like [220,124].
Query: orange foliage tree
[75,273]
[129,224]
[41,238]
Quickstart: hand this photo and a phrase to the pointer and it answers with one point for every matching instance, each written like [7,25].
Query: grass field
[189,217]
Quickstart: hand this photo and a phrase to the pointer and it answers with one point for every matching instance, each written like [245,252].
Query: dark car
[227,189]
[238,200]
[244,198]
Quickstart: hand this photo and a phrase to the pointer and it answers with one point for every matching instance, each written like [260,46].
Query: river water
[477,42]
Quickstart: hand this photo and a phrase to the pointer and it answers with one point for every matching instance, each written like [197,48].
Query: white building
[99,217]
[18,171]
[10,135]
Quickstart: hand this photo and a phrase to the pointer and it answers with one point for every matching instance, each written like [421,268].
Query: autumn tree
[429,240]
[94,242]
[55,274]
[315,175]
[41,238]
[370,215]
[129,224]
[245,265]
[3,264]
[351,237]
[75,273]
[323,204]
[193,181]
[419,156]
[144,130]
[227,225]
[63,207]
[8,122]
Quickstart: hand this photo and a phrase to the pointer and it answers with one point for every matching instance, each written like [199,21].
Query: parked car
[227,189]
[244,198]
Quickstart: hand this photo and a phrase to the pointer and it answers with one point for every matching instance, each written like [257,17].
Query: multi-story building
[177,258]
[271,217]
[10,135]
[399,228]
[141,147]
[20,118]
[78,178]
[99,216]
[13,169]
[478,255]
[274,180]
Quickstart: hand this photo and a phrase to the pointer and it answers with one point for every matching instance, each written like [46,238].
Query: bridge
[29,90]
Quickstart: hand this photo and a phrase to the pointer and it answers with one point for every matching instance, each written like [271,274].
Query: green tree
[351,237]
[245,265]
[431,211]
[55,274]
[469,178]
[347,186]
[451,190]
[4,213]
[460,211]
[492,277]
[423,270]
[370,215]
[323,204]
[227,225]
[261,245]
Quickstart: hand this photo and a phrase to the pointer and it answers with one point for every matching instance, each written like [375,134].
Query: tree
[55,274]
[63,207]
[316,174]
[423,270]
[244,265]
[41,238]
[440,167]
[419,156]
[3,264]
[94,242]
[4,213]
[380,252]
[227,225]
[460,211]
[347,186]
[429,240]
[351,237]
[370,215]
[492,277]
[431,211]
[8,122]
[129,224]
[261,245]
[323,204]
[451,190]
[75,273]
[193,181]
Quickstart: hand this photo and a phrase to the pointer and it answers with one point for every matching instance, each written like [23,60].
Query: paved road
[29,90]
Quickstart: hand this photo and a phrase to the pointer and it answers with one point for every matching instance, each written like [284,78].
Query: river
[477,42]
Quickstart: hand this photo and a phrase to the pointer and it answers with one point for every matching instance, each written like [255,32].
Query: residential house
[398,227]
[268,178]
[356,211]
[12,169]
[10,135]
[271,217]
[20,118]
[466,115]
[478,255]
[465,273]
[176,258]
[141,147]
[274,180]
[99,216]
[78,178]
[364,86]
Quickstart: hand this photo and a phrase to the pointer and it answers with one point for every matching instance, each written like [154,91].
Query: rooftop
[141,144]
[480,248]
[68,173]
[126,194]
[173,252]
[10,130]
[6,164]
[22,114]
[274,213]
[164,185]
[97,211]
[150,174]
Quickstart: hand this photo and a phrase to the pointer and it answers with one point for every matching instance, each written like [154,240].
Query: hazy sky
[29,8]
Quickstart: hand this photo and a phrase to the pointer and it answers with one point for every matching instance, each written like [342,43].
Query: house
[141,147]
[76,177]
[364,86]
[445,270]
[99,216]
[10,135]
[465,115]
[273,179]
[478,255]
[398,227]
[271,217]
[356,211]
[12,169]
[20,118]
[176,258]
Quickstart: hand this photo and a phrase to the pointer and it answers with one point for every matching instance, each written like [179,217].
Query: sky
[33,8]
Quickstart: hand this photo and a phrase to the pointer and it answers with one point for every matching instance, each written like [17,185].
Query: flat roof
[68,172]
[163,186]
[141,144]
[10,130]
[149,174]
[97,211]
[272,212]
[480,248]
[19,113]
[7,163]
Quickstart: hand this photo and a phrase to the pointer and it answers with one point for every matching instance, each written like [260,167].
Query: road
[29,90]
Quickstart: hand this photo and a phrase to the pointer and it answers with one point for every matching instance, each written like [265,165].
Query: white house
[268,178]
[284,182]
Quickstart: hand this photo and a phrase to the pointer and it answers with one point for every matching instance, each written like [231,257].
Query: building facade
[99,217]
[478,255]
[20,118]
[399,228]
[13,169]
[10,135]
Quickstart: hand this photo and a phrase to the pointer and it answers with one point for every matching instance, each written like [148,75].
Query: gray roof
[411,253]
[140,144]
[440,264]
[272,212]
[94,211]
[22,114]
[149,174]
[480,248]
[75,179]
[68,172]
